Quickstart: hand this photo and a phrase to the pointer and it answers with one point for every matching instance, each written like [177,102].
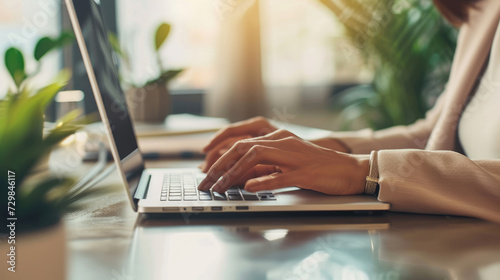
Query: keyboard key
[190,198]
[233,191]
[250,197]
[205,198]
[234,197]
[205,193]
[174,198]
[175,191]
[174,194]
[269,196]
[219,196]
[265,193]
[249,194]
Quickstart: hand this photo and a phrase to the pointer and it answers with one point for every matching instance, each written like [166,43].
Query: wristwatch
[371,185]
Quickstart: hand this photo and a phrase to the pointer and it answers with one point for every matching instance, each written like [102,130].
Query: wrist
[363,167]
[332,144]
[372,185]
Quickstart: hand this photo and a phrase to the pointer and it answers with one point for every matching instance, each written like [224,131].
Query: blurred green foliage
[409,47]
[37,202]
[15,60]
[23,145]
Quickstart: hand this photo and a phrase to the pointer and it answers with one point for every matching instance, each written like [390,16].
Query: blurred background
[333,64]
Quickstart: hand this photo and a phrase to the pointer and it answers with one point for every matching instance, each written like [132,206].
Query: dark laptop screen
[105,69]
[106,72]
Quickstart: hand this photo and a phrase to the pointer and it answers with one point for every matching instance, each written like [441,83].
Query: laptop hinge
[143,187]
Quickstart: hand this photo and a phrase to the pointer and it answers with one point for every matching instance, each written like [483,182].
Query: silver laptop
[173,190]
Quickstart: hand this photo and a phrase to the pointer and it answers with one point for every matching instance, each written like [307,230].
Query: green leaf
[22,124]
[165,77]
[47,44]
[45,95]
[43,46]
[14,61]
[161,35]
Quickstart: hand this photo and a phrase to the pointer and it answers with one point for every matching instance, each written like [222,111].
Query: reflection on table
[107,240]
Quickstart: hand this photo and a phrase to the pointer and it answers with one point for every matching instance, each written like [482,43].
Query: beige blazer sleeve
[439,182]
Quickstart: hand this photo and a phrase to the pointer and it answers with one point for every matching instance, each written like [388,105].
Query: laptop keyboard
[184,187]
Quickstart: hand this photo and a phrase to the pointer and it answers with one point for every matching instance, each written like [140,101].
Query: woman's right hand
[225,138]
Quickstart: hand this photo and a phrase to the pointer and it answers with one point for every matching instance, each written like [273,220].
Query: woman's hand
[281,159]
[255,127]
[225,138]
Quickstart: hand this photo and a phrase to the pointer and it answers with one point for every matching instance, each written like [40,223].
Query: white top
[479,126]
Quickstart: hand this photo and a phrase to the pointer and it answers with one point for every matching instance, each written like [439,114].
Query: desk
[107,240]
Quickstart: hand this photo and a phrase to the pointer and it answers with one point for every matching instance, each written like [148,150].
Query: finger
[235,154]
[255,127]
[256,155]
[274,181]
[214,154]
[257,171]
[242,148]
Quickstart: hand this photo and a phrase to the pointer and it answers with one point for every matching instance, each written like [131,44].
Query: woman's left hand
[281,159]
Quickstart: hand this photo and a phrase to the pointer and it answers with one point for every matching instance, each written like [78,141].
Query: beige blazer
[421,166]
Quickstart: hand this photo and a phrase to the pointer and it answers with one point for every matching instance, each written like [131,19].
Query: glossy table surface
[107,240]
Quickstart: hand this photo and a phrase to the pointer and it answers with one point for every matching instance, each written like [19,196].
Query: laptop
[173,190]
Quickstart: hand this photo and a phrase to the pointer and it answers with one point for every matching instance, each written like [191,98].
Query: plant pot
[40,254]
[150,104]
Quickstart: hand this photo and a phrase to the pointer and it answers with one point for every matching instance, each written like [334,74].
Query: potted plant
[151,101]
[33,204]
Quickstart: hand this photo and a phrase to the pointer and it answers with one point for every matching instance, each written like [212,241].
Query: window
[22,23]
[191,44]
[302,45]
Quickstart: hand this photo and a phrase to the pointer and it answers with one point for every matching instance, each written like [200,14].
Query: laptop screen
[106,76]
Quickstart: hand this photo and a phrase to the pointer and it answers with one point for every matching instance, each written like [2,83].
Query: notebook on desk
[173,190]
